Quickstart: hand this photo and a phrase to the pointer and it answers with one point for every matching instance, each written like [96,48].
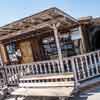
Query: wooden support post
[75,72]
[58,46]
[83,49]
[3,54]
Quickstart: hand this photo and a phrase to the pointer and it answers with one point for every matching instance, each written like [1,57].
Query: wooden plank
[64,91]
[26,51]
[4,54]
[34,27]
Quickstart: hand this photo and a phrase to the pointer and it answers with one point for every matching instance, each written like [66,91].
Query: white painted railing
[83,67]
[86,66]
[36,68]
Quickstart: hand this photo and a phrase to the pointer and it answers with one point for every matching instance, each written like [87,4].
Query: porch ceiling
[37,22]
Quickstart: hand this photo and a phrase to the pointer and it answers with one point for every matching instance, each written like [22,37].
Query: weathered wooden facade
[32,38]
[91,28]
[44,36]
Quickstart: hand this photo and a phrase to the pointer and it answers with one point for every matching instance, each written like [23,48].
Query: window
[66,44]
[77,44]
[49,46]
[11,50]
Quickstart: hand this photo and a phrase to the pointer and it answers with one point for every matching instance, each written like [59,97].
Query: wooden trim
[4,54]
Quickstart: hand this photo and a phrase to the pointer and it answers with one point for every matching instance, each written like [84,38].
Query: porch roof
[38,21]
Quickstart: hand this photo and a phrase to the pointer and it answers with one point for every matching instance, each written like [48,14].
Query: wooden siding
[26,50]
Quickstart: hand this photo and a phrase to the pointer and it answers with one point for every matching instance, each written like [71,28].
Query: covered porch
[40,44]
[51,34]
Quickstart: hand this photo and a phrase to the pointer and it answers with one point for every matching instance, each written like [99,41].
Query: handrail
[83,67]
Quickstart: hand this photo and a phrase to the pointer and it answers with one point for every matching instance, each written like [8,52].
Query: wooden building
[32,38]
[50,44]
[91,30]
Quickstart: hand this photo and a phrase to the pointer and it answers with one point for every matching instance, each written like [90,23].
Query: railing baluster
[29,67]
[11,74]
[53,66]
[16,75]
[37,72]
[77,67]
[88,72]
[45,70]
[91,65]
[21,72]
[33,69]
[6,72]
[18,69]
[98,55]
[15,72]
[58,67]
[49,66]
[24,69]
[67,66]
[41,71]
[83,71]
[74,72]
[95,62]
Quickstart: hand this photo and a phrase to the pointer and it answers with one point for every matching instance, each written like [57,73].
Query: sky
[12,10]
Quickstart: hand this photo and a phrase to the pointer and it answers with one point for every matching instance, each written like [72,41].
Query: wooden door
[26,50]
